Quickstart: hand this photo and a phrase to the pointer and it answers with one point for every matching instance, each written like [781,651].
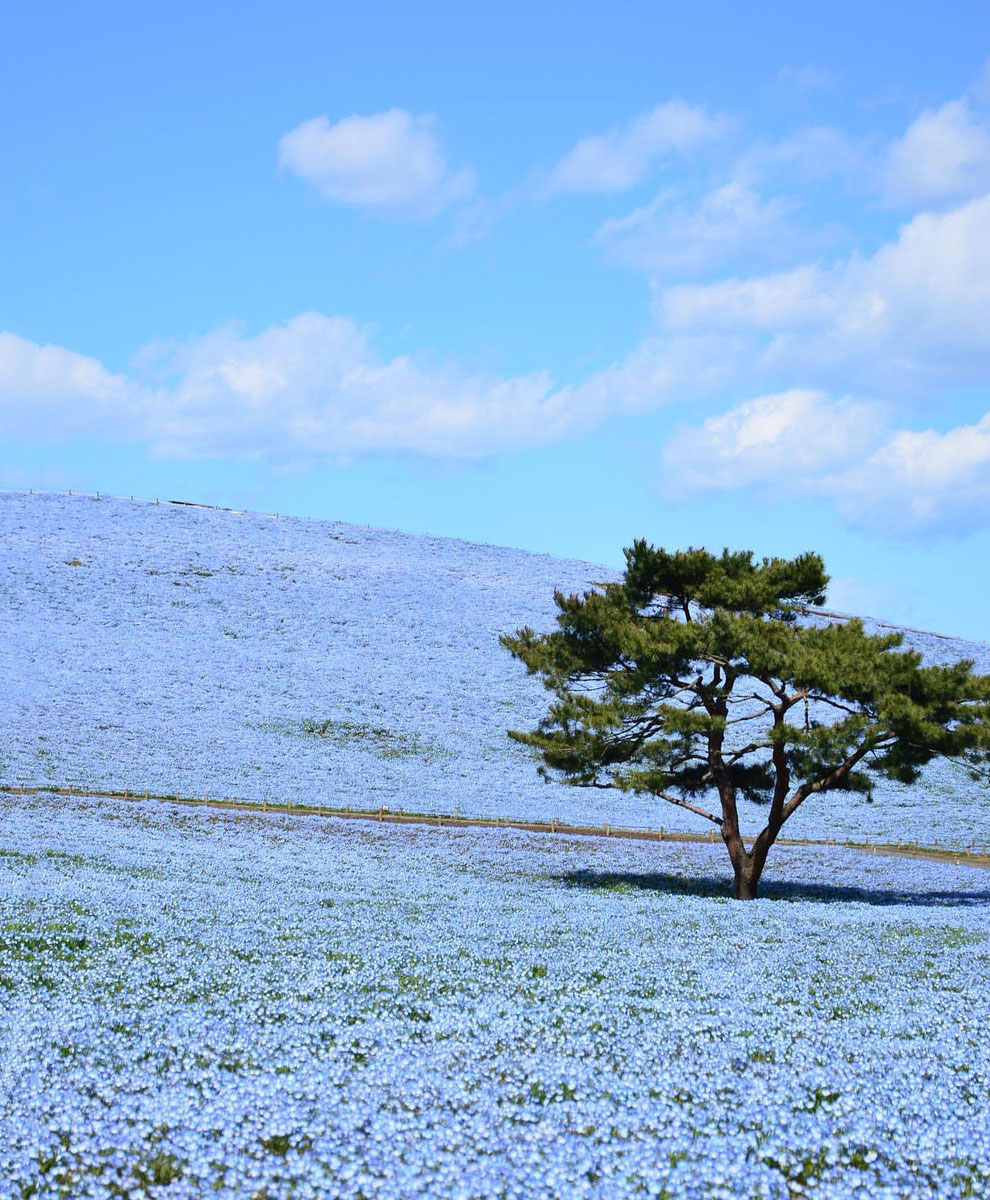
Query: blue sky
[551,276]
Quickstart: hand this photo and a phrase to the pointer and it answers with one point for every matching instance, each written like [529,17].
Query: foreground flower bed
[194,1003]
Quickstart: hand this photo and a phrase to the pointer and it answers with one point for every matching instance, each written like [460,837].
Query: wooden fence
[972,855]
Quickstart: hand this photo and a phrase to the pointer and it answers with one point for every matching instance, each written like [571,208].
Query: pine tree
[701,675]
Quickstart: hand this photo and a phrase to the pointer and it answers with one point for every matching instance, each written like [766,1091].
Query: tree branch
[752,716]
[778,689]
[744,696]
[833,777]
[855,712]
[690,807]
[736,755]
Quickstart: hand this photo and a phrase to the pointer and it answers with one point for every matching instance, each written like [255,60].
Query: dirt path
[448,821]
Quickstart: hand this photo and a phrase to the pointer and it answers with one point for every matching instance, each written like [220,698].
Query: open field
[198,652]
[200,1003]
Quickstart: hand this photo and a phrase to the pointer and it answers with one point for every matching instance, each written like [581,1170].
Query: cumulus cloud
[313,388]
[46,388]
[922,482]
[806,444]
[914,312]
[774,441]
[390,163]
[622,157]
[316,386]
[943,156]
[901,327]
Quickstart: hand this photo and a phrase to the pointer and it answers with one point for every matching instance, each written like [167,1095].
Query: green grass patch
[376,739]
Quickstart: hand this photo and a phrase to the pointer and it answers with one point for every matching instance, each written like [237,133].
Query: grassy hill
[189,650]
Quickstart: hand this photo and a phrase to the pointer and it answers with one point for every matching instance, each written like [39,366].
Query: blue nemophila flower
[207,653]
[487,1015]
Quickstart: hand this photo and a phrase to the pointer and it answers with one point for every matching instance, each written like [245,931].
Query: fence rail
[969,856]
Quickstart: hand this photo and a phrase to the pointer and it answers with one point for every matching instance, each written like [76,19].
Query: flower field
[194,652]
[197,1003]
[204,1002]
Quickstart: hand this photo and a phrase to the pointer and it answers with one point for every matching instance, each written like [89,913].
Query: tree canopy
[701,679]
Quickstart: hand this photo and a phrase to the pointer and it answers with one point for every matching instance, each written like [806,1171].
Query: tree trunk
[747,881]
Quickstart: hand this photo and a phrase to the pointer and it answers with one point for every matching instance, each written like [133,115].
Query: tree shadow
[720,888]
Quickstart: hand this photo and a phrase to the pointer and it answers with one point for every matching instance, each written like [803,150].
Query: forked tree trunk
[747,865]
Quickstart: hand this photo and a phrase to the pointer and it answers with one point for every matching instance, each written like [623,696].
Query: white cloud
[913,314]
[315,386]
[787,300]
[752,214]
[42,385]
[902,326]
[656,372]
[776,441]
[922,482]
[811,154]
[312,388]
[621,157]
[943,156]
[390,163]
[673,234]
[316,389]
[804,444]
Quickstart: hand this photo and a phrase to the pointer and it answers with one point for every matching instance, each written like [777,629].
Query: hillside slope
[197,651]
